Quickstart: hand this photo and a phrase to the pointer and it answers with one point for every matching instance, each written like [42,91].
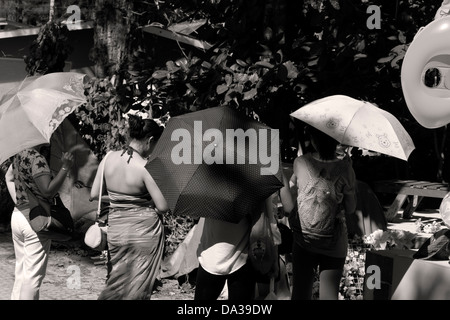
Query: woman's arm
[48,186]
[286,196]
[95,189]
[155,192]
[9,177]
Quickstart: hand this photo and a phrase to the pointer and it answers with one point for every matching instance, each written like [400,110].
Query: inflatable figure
[425,73]
[444,10]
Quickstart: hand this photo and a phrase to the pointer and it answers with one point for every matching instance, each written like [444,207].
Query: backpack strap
[333,175]
[102,169]
[323,173]
[309,170]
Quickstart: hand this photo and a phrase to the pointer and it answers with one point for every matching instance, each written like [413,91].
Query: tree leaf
[253,78]
[206,64]
[171,67]
[359,56]
[221,88]
[264,64]
[385,59]
[160,74]
[134,73]
[292,70]
[221,58]
[250,94]
[241,63]
[194,90]
[228,79]
[241,77]
[313,62]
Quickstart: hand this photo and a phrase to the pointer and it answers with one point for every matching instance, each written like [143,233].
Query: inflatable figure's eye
[432,78]
[425,74]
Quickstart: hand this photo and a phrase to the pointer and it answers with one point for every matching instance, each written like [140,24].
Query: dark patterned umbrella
[216,163]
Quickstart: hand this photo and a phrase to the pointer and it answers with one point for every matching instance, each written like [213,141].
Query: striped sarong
[136,245]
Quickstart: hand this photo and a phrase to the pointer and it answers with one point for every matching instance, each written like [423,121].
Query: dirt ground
[75,272]
[93,272]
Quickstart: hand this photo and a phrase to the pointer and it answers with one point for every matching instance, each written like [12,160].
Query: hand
[67,160]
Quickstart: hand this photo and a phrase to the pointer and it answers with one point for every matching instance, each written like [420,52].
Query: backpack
[318,207]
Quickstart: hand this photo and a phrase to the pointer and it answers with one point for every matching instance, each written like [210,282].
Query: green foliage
[175,230]
[100,122]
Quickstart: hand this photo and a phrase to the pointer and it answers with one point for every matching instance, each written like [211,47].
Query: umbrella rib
[346,128]
[348,125]
[21,84]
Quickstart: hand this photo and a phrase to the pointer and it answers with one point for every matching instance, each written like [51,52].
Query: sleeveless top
[345,189]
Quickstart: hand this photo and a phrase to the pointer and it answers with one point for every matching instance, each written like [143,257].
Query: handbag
[50,217]
[96,236]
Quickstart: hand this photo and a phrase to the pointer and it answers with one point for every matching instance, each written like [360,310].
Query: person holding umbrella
[220,165]
[30,173]
[317,205]
[223,254]
[135,228]
[333,120]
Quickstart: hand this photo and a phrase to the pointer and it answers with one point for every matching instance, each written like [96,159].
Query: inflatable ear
[425,74]
[444,10]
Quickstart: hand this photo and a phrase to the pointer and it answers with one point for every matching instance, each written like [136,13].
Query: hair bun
[140,128]
[136,124]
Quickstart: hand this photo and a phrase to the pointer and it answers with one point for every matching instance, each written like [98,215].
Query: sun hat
[436,247]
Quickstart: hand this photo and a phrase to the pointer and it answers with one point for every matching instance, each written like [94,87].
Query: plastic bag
[263,251]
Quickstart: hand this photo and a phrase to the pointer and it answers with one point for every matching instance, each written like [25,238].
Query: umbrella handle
[347,154]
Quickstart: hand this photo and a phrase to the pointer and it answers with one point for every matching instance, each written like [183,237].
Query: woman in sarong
[135,231]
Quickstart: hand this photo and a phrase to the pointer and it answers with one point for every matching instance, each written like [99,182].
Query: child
[320,233]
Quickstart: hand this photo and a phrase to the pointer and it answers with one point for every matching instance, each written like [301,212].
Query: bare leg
[329,284]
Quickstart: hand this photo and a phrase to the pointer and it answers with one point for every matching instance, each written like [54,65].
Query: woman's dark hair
[143,128]
[325,145]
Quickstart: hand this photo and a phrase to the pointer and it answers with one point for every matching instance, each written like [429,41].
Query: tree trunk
[52,10]
[113,21]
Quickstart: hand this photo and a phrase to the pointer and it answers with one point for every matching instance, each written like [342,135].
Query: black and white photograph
[225,158]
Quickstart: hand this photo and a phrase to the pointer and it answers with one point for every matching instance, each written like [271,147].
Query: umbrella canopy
[31,112]
[359,124]
[205,167]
